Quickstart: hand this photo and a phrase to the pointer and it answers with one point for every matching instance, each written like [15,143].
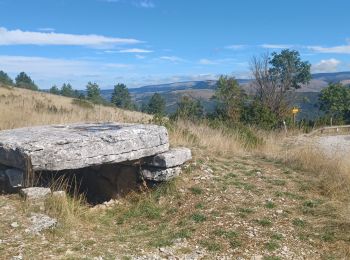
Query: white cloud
[138,56]
[217,61]
[207,62]
[135,50]
[46,29]
[137,3]
[276,46]
[235,47]
[174,59]
[341,49]
[48,69]
[19,37]
[144,3]
[330,65]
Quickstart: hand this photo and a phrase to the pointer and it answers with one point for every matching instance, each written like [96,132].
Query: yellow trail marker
[295,110]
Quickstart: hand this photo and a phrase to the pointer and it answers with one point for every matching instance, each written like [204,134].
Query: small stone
[35,194]
[257,257]
[14,225]
[60,194]
[279,211]
[41,222]
[17,257]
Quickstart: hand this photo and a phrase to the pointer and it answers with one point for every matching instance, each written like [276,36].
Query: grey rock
[60,194]
[14,225]
[35,194]
[156,174]
[60,147]
[40,222]
[173,157]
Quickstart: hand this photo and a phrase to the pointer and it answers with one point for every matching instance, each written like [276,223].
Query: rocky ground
[335,144]
[220,208]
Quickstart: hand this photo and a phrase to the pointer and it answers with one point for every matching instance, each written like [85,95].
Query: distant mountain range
[203,90]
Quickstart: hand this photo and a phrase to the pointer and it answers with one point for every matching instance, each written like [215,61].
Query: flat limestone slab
[173,157]
[74,146]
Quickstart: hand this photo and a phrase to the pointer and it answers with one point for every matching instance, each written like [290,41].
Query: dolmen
[104,150]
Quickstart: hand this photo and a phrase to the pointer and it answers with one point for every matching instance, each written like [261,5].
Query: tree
[276,75]
[230,98]
[5,79]
[156,105]
[189,109]
[67,90]
[93,93]
[24,81]
[335,101]
[255,113]
[55,90]
[121,97]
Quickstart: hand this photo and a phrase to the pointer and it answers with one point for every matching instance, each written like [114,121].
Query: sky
[144,42]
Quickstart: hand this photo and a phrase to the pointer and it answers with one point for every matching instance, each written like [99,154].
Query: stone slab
[35,194]
[74,146]
[159,175]
[173,157]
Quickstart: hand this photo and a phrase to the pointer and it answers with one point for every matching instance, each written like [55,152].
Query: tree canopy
[189,109]
[55,90]
[93,93]
[335,101]
[276,75]
[230,98]
[5,79]
[67,90]
[156,105]
[24,81]
[121,97]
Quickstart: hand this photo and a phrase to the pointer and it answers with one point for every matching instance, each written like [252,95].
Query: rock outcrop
[165,166]
[62,147]
[107,159]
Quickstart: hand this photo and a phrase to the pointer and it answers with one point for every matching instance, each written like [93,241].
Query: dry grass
[205,138]
[21,107]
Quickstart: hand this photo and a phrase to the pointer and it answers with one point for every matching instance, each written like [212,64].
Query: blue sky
[142,42]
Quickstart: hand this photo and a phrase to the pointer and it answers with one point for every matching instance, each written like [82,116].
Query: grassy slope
[229,202]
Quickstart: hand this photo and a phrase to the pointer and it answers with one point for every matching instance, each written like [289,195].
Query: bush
[255,113]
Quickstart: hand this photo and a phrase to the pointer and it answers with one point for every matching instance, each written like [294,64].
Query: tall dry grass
[206,140]
[21,107]
[330,172]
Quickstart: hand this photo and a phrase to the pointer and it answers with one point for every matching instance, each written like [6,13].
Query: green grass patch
[270,205]
[211,245]
[298,222]
[272,245]
[276,236]
[196,190]
[264,222]
[199,205]
[198,217]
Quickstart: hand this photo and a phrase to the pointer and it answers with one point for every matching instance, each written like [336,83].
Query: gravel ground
[335,145]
